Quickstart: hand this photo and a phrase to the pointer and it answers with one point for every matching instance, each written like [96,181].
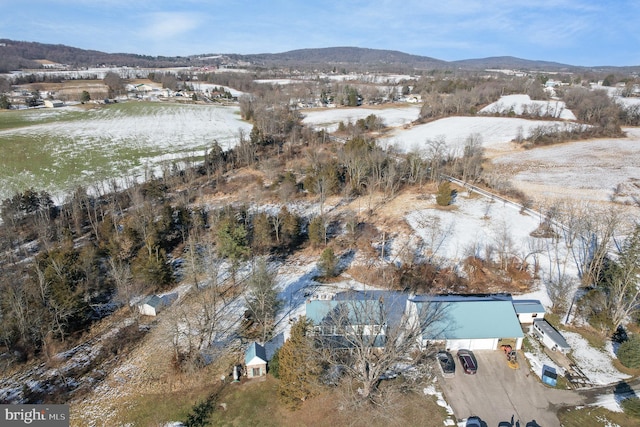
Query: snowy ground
[495,133]
[204,87]
[597,170]
[519,103]
[328,119]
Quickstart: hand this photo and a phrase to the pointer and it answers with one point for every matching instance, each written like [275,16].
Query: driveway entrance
[497,392]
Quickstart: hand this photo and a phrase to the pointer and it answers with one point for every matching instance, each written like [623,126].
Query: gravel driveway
[496,393]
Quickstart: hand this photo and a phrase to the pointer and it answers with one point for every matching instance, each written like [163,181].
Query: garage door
[472,344]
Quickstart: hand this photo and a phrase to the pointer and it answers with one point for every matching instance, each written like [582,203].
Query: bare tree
[195,324]
[126,287]
[262,298]
[436,233]
[370,337]
[472,158]
[436,155]
[622,283]
[503,243]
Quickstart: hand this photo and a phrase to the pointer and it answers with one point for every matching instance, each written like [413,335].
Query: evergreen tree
[5,103]
[316,231]
[232,242]
[262,239]
[629,352]
[328,263]
[85,96]
[152,268]
[290,230]
[299,369]
[443,198]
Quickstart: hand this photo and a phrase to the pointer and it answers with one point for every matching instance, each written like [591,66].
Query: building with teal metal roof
[345,321]
[474,323]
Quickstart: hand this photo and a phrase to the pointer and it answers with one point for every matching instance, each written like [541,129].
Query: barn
[474,323]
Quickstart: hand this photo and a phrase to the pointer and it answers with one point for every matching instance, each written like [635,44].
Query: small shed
[53,103]
[528,310]
[151,305]
[255,359]
[549,336]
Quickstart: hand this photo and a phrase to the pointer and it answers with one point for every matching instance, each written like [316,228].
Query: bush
[631,407]
[629,352]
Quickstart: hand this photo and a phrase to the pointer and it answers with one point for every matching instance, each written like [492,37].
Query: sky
[588,32]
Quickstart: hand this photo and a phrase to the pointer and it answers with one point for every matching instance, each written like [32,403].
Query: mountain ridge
[23,54]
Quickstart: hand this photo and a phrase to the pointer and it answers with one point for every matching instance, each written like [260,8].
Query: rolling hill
[22,54]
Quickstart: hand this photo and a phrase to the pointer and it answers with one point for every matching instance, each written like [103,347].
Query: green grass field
[58,150]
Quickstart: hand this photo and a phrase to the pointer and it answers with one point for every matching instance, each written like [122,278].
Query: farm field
[496,133]
[519,104]
[329,118]
[599,170]
[58,150]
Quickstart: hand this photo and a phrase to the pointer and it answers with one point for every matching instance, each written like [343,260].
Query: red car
[468,361]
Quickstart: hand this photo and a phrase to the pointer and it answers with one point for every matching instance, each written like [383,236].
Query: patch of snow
[494,132]
[430,390]
[329,119]
[560,170]
[596,364]
[165,132]
[519,103]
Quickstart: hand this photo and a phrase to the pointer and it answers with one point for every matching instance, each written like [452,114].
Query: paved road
[497,392]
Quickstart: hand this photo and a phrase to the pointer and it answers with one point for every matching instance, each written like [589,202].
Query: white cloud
[167,25]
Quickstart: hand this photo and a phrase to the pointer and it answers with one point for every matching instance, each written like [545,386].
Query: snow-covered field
[328,119]
[476,224]
[597,170]
[520,104]
[204,87]
[495,132]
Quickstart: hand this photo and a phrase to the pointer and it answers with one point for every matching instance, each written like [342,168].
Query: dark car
[468,361]
[446,363]
[473,422]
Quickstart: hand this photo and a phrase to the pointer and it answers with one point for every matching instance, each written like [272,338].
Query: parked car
[474,422]
[468,361]
[446,363]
